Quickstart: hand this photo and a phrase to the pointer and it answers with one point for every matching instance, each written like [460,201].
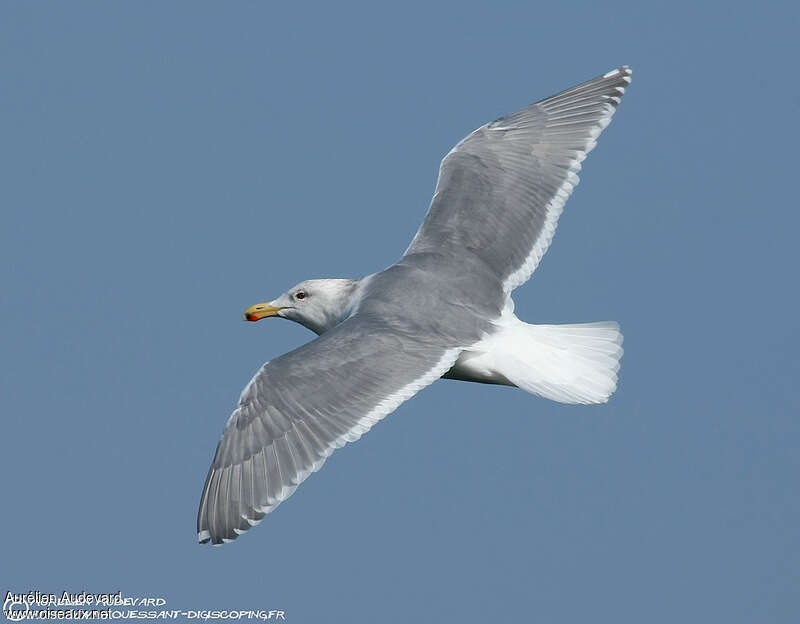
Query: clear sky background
[165,165]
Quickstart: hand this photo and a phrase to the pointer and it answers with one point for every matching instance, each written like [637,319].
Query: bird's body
[443,310]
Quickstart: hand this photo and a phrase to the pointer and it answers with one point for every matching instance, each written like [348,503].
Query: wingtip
[624,70]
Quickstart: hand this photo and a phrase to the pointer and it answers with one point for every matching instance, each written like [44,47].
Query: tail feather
[565,363]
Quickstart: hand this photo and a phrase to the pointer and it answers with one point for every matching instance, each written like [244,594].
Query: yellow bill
[259,311]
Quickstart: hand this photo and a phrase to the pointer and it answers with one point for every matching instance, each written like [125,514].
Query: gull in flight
[443,310]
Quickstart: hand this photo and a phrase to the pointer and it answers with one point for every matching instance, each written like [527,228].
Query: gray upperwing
[501,190]
[301,406]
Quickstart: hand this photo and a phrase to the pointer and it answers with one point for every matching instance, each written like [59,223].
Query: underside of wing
[300,407]
[501,190]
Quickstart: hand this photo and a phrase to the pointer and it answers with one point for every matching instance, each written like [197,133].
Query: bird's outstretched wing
[501,190]
[301,406]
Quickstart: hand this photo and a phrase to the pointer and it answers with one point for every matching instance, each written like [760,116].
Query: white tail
[565,363]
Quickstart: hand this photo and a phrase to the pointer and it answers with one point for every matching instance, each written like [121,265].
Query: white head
[317,304]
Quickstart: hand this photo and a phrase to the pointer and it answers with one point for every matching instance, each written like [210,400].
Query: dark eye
[300,294]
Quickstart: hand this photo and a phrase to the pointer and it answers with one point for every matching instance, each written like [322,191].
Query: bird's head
[317,304]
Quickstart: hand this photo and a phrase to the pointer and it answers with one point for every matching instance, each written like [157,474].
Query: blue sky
[165,165]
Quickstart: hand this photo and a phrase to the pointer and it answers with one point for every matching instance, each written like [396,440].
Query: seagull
[444,310]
